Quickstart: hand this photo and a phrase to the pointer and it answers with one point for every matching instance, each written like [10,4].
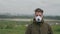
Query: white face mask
[38,19]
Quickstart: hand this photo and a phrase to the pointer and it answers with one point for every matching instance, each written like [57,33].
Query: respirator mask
[38,19]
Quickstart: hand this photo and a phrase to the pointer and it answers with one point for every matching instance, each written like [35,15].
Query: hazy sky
[50,7]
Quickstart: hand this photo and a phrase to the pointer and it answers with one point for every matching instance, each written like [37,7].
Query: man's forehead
[38,12]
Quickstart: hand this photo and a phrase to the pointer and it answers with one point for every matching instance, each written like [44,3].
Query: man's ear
[34,20]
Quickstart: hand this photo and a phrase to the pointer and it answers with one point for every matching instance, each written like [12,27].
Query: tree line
[28,16]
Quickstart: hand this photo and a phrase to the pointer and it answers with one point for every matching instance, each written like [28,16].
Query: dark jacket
[42,28]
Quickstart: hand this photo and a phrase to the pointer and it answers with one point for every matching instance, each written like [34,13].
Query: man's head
[38,14]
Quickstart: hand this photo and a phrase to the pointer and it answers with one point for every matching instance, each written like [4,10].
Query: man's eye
[39,15]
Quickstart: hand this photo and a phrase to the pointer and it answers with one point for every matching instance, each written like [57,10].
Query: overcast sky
[50,7]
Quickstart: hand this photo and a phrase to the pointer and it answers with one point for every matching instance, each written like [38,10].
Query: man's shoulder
[46,24]
[30,25]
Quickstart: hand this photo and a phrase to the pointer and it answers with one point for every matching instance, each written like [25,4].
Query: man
[38,26]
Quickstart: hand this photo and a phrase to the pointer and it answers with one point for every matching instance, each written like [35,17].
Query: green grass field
[56,29]
[18,27]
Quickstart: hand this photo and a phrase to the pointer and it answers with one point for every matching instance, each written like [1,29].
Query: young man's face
[38,16]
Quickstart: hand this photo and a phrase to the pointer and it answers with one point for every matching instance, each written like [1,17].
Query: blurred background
[15,15]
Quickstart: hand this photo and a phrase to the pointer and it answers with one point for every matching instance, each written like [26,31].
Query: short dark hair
[38,10]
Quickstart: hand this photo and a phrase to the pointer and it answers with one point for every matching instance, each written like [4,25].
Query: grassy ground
[18,30]
[15,27]
[56,29]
